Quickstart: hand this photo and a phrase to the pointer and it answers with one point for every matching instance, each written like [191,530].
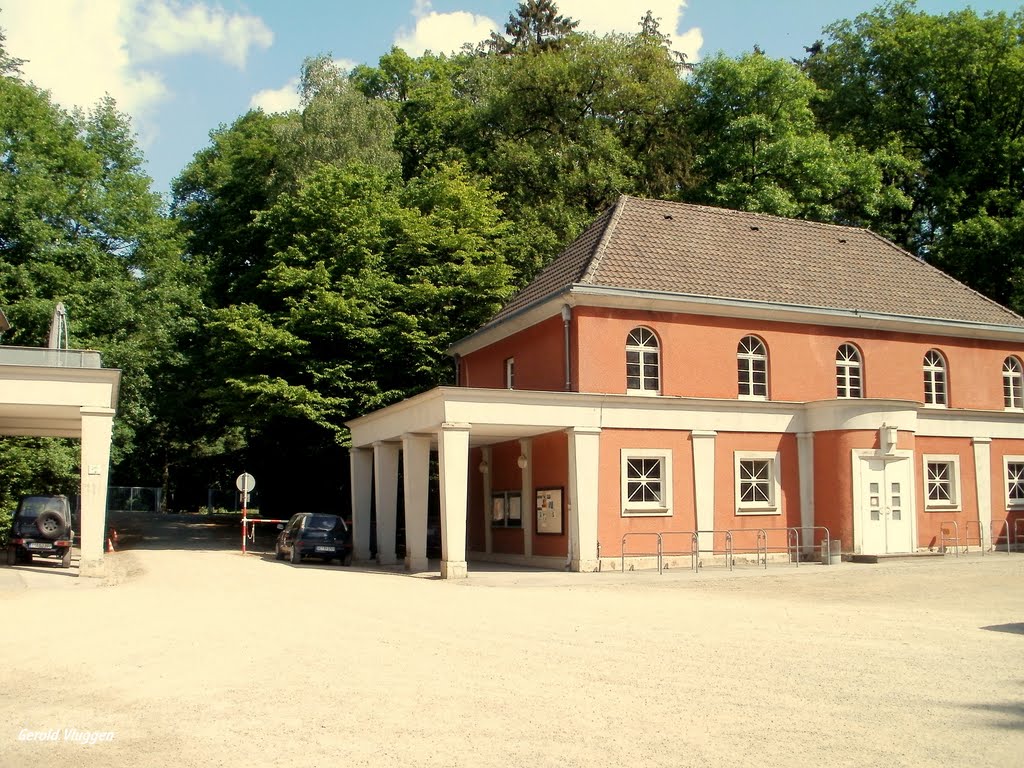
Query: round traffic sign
[245,482]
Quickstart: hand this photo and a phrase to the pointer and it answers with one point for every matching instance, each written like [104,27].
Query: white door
[886,511]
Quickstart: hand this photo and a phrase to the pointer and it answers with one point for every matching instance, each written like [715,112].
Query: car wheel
[12,555]
[65,562]
[296,555]
[347,560]
[278,553]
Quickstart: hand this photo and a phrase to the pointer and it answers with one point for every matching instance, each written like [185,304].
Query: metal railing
[1018,534]
[50,358]
[694,551]
[949,531]
[760,548]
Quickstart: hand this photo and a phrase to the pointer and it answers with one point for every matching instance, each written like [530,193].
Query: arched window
[752,361]
[1013,396]
[643,365]
[848,372]
[934,378]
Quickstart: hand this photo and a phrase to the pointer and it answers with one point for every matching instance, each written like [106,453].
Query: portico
[66,393]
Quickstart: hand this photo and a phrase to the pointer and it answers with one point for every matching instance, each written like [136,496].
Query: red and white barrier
[250,533]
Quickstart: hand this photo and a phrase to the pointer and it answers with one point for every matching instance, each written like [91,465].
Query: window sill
[939,406]
[947,508]
[762,398]
[758,511]
[643,392]
[660,512]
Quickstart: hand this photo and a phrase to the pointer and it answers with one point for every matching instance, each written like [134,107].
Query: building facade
[684,370]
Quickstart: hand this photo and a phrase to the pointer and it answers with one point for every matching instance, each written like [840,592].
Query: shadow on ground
[146,530]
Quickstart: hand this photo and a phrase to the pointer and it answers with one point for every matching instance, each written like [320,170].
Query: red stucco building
[682,368]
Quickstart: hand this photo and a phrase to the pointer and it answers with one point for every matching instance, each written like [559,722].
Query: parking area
[201,657]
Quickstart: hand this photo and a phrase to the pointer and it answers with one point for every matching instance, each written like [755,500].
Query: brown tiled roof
[695,250]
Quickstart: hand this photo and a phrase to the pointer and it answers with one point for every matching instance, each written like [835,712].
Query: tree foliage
[945,94]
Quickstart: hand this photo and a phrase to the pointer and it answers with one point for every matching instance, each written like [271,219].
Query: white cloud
[280,99]
[77,50]
[443,32]
[287,97]
[170,28]
[603,16]
[80,50]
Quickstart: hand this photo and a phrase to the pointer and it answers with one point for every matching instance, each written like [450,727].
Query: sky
[182,68]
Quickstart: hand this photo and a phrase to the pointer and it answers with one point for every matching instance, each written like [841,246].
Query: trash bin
[832,556]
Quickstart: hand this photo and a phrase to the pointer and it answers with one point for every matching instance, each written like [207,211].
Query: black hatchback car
[313,534]
[41,526]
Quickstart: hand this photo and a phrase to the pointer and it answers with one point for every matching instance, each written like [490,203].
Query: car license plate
[35,545]
[324,549]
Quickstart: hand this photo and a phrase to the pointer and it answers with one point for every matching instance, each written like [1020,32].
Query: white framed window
[848,372]
[752,361]
[941,483]
[1013,472]
[934,367]
[758,488]
[643,362]
[646,479]
[1013,394]
[510,373]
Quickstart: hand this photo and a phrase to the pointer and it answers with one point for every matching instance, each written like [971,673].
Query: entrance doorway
[883,508]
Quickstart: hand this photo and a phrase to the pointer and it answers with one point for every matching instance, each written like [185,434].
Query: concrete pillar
[385,491]
[983,483]
[805,453]
[453,458]
[361,475]
[416,486]
[704,484]
[97,424]
[584,462]
[486,463]
[526,495]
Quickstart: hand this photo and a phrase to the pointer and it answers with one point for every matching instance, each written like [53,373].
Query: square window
[646,478]
[941,482]
[1014,474]
[758,490]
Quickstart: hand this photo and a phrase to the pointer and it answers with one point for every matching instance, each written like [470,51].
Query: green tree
[535,26]
[760,147]
[79,225]
[944,94]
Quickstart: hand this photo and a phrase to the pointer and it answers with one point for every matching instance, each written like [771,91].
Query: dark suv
[42,525]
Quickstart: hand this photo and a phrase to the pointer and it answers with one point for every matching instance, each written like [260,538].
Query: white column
[584,463]
[526,499]
[805,453]
[704,484]
[385,490]
[983,483]
[485,461]
[453,458]
[361,476]
[95,454]
[416,473]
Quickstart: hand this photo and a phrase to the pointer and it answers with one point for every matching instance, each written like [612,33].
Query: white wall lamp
[484,469]
[521,461]
[887,437]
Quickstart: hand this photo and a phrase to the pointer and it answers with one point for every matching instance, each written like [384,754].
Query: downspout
[566,318]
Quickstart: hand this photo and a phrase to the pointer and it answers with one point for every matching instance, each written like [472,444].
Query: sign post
[245,483]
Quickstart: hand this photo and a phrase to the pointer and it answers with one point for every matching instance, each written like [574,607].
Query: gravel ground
[203,657]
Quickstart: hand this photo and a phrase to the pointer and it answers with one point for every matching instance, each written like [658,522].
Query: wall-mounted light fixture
[887,437]
[484,469]
[521,461]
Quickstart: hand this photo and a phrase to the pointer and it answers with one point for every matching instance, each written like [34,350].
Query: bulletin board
[550,511]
